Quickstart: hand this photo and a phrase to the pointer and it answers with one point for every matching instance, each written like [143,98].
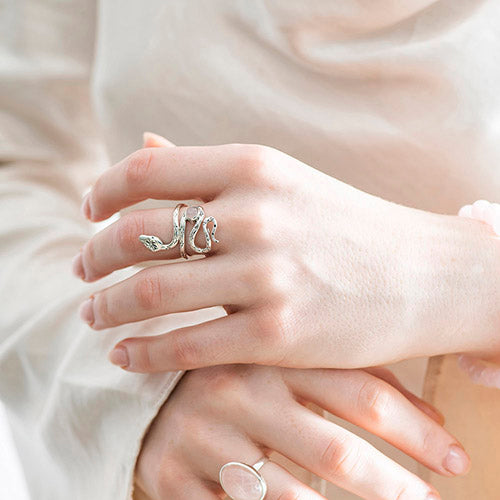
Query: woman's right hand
[312,272]
[242,412]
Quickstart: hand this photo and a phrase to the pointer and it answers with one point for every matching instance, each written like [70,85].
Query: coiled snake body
[194,214]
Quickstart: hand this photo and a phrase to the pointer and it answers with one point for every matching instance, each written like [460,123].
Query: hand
[312,272]
[242,412]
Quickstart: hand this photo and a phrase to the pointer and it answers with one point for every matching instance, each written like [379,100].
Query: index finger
[375,405]
[176,173]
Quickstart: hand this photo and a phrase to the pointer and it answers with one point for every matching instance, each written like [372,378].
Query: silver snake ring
[194,214]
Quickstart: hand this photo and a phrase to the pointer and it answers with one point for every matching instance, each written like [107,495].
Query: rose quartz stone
[240,483]
[191,212]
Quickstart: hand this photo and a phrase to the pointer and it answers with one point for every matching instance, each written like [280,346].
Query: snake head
[152,243]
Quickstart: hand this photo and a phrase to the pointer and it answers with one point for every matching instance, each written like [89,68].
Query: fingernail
[147,139]
[119,356]
[87,311]
[457,462]
[77,265]
[86,206]
[432,496]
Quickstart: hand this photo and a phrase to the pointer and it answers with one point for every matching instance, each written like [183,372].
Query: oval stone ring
[243,482]
[195,215]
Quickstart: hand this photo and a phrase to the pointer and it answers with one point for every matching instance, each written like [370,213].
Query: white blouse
[400,99]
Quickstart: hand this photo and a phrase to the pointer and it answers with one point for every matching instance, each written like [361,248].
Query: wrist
[455,286]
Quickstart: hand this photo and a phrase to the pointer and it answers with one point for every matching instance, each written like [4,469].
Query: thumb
[151,140]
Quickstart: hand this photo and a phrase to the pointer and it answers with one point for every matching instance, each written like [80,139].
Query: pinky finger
[183,488]
[195,489]
[217,342]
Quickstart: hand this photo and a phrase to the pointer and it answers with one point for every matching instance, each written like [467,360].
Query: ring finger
[118,246]
[280,483]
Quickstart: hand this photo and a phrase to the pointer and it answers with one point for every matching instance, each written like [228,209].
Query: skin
[222,414]
[290,287]
[347,281]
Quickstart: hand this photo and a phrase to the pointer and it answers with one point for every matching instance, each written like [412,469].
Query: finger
[152,140]
[422,405]
[173,479]
[281,484]
[339,456]
[191,489]
[231,448]
[376,406]
[118,245]
[186,488]
[165,289]
[176,173]
[235,337]
[480,371]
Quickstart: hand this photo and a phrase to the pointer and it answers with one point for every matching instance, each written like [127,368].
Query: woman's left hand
[312,272]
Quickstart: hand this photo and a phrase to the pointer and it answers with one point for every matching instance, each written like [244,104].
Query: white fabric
[409,89]
[12,481]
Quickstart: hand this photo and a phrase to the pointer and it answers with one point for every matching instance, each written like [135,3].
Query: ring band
[194,214]
[241,481]
[263,461]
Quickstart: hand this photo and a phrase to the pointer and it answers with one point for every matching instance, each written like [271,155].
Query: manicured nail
[86,206]
[119,356]
[457,462]
[87,311]
[432,496]
[77,264]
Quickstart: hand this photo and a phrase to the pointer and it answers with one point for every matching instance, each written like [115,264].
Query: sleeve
[77,421]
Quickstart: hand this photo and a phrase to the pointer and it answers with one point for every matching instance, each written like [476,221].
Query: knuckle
[374,400]
[258,227]
[255,164]
[341,459]
[136,166]
[256,277]
[148,291]
[268,327]
[230,387]
[185,353]
[128,230]
[224,379]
